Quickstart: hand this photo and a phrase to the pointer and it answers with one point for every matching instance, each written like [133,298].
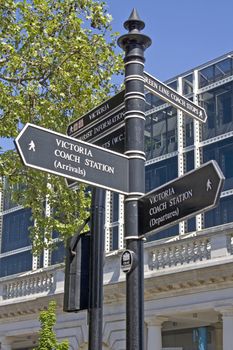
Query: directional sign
[114,140]
[116,102]
[102,127]
[58,154]
[178,101]
[195,192]
[96,113]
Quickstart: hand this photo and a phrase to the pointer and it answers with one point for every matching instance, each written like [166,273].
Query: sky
[184,33]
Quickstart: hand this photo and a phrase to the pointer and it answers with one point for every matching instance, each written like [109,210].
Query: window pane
[222,152]
[58,254]
[16,263]
[160,133]
[222,214]
[219,108]
[164,233]
[158,174]
[16,230]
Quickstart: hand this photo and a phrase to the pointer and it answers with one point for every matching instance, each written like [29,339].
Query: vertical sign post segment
[96,272]
[134,44]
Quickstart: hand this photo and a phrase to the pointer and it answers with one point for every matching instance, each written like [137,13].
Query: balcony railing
[41,282]
[192,251]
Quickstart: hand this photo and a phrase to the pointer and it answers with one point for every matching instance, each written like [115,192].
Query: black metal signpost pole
[134,44]
[96,271]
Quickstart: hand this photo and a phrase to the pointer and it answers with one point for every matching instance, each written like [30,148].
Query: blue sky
[184,33]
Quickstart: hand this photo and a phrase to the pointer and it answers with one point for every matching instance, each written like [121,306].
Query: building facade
[188,266]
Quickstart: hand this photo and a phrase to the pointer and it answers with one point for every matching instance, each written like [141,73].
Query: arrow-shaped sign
[193,193]
[62,155]
[178,101]
[95,114]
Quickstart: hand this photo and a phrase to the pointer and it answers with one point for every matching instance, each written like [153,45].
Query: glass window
[8,201]
[164,233]
[223,69]
[222,214]
[222,152]
[152,101]
[219,108]
[215,72]
[15,232]
[191,224]
[160,133]
[189,132]
[189,161]
[114,208]
[115,214]
[173,85]
[188,84]
[17,263]
[223,104]
[58,253]
[206,76]
[159,173]
[114,237]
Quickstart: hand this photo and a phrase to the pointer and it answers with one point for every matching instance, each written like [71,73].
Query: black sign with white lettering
[102,127]
[114,140]
[96,113]
[61,155]
[178,101]
[194,192]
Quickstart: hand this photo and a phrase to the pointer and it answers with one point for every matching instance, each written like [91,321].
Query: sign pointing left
[65,156]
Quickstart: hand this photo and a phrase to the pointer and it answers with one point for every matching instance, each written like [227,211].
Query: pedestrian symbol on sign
[32,146]
[208,185]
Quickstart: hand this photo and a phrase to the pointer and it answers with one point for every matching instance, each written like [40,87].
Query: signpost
[194,192]
[134,43]
[178,101]
[61,155]
[118,123]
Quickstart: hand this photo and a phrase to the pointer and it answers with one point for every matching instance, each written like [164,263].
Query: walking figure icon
[208,185]
[32,146]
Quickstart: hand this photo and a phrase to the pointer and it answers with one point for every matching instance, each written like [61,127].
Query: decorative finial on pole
[134,25]
[134,21]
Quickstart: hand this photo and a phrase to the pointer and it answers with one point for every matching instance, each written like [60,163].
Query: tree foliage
[56,62]
[47,336]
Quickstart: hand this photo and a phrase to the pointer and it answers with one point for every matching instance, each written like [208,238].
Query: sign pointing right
[193,193]
[171,96]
